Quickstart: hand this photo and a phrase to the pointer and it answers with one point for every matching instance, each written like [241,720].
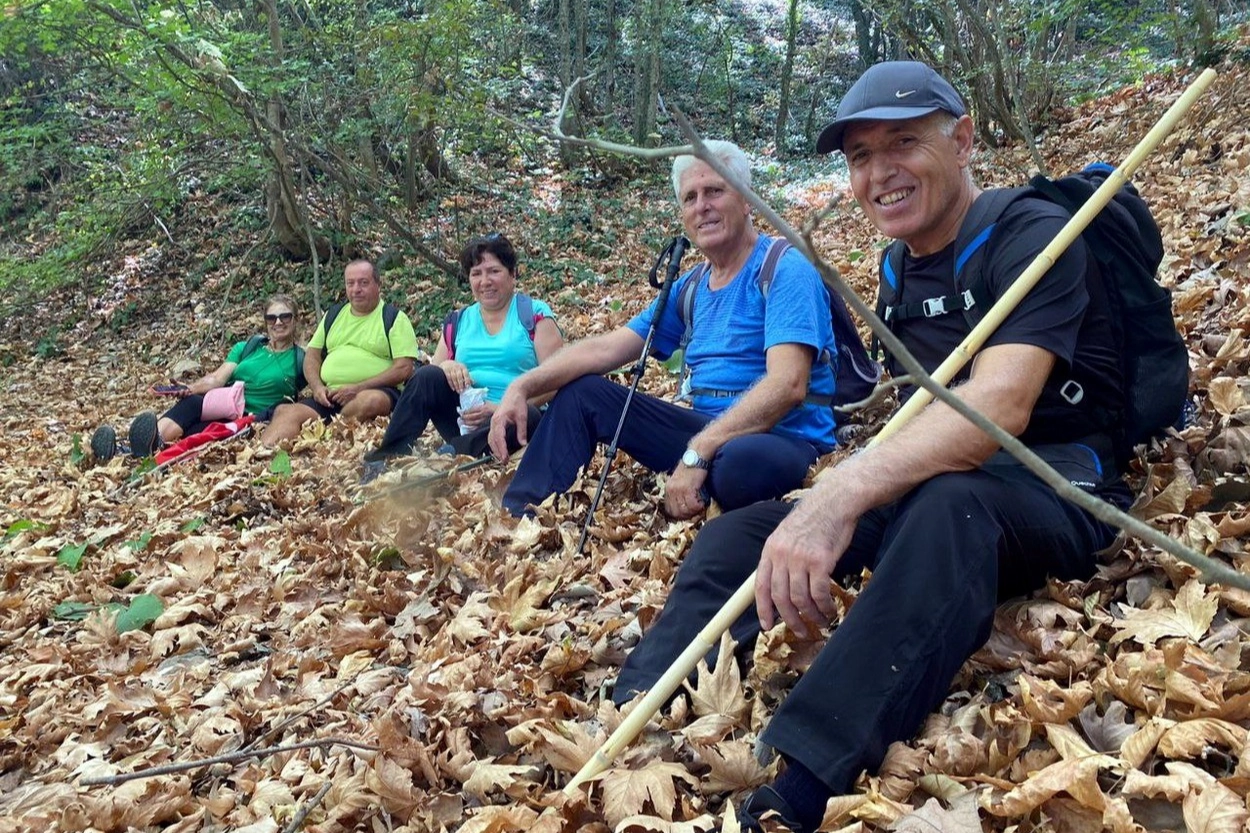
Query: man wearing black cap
[948,524]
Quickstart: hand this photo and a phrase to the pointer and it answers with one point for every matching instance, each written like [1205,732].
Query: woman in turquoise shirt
[486,345]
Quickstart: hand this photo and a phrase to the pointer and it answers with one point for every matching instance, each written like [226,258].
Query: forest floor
[245,601]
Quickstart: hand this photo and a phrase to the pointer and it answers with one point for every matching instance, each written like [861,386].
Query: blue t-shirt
[734,327]
[495,360]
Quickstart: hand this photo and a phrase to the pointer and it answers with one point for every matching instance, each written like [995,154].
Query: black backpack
[855,375]
[524,312]
[1125,248]
[389,314]
[259,340]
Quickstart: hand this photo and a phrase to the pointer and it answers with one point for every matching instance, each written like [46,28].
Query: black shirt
[1067,313]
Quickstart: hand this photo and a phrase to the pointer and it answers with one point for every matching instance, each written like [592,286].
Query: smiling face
[716,216]
[363,290]
[491,282]
[279,322]
[911,178]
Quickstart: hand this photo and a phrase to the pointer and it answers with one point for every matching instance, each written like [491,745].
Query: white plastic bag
[470,398]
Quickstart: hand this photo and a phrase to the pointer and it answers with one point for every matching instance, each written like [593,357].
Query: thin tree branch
[297,821]
[230,758]
[1212,570]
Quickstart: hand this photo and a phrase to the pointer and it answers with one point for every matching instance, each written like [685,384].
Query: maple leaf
[699,824]
[627,791]
[1190,738]
[720,691]
[489,776]
[1216,809]
[732,767]
[1191,616]
[932,817]
[469,624]
[1107,732]
[1077,777]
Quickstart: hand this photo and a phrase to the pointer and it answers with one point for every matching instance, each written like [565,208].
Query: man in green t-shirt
[357,368]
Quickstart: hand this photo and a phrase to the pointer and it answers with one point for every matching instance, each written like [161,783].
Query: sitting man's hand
[511,410]
[457,375]
[683,497]
[796,567]
[321,395]
[341,396]
[478,415]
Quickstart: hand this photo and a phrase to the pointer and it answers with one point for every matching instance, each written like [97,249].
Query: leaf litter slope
[475,651]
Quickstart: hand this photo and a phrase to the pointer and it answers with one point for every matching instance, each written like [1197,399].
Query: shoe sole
[104,443]
[143,438]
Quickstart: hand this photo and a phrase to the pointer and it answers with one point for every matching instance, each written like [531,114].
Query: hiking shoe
[373,469]
[144,439]
[104,443]
[760,802]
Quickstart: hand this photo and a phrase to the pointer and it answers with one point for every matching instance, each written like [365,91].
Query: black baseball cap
[891,91]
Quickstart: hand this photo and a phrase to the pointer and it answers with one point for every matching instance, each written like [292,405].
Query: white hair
[727,153]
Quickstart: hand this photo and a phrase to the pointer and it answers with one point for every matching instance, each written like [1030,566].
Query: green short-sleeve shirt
[268,378]
[357,347]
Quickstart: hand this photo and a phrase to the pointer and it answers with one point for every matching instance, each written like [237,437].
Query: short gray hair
[727,153]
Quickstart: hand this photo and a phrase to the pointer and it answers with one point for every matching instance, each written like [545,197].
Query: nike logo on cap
[901,94]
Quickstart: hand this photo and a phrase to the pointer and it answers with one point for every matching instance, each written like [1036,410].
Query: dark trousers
[186,413]
[427,397]
[586,412]
[942,558]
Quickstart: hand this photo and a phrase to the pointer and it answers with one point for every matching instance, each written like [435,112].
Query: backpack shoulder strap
[974,233]
[390,312]
[450,323]
[685,302]
[768,269]
[525,312]
[331,316]
[254,343]
[300,380]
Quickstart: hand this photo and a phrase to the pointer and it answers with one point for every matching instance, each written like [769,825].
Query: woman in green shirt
[271,368]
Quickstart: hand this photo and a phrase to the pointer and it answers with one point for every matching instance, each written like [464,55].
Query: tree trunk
[608,69]
[290,228]
[647,71]
[787,73]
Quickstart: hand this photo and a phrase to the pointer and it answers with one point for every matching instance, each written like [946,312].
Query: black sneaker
[104,443]
[144,439]
[371,471]
[760,802]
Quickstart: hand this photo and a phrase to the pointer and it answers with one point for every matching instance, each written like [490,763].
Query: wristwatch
[692,459]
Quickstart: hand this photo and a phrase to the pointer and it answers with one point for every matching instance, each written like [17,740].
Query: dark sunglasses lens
[284,317]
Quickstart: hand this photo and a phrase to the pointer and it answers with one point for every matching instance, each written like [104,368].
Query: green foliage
[77,456]
[142,611]
[70,556]
[280,465]
[23,525]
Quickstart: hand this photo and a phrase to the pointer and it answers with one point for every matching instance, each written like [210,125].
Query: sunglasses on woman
[284,317]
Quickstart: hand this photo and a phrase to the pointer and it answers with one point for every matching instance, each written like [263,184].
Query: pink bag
[223,403]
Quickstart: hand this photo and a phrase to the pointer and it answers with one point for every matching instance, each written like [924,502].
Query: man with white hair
[759,383]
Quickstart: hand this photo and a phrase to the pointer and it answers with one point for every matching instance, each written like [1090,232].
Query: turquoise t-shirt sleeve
[669,330]
[403,338]
[542,310]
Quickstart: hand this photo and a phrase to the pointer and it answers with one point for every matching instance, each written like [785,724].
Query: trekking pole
[744,596]
[673,252]
[431,479]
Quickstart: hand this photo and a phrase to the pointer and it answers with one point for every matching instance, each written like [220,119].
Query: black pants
[427,398]
[942,557]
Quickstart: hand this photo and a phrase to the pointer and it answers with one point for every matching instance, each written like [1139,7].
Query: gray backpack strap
[685,313]
[525,312]
[768,270]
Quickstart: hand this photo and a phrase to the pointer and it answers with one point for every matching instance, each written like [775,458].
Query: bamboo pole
[741,600]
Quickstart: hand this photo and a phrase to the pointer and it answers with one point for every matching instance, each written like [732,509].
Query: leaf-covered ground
[229,605]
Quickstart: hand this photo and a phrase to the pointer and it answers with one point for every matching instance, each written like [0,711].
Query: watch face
[690,458]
